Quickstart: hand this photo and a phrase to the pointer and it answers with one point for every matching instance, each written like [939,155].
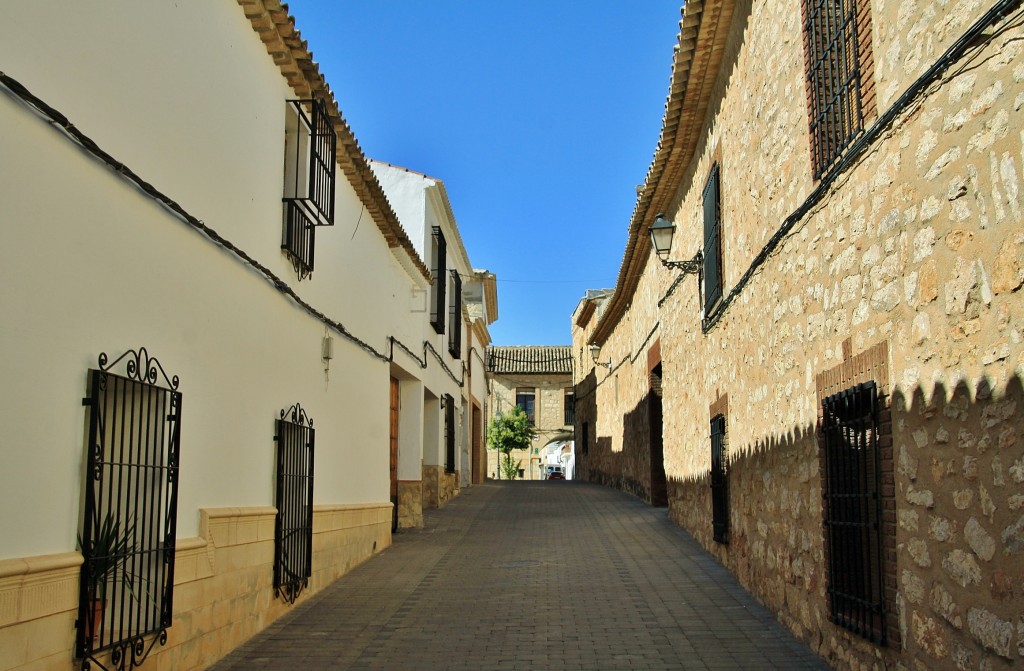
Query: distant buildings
[539,380]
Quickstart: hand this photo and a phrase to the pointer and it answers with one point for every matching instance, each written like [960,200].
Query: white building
[194,244]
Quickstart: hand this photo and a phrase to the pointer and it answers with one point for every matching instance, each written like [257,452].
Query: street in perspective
[530,576]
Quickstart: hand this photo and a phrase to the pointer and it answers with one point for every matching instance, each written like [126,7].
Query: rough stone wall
[410,504]
[919,248]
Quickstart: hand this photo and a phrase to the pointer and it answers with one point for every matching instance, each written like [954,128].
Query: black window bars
[852,511]
[440,281]
[569,407]
[293,526]
[131,506]
[833,79]
[455,316]
[449,434]
[712,241]
[719,481]
[310,146]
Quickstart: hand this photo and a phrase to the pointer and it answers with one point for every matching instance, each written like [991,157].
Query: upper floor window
[837,41]
[526,399]
[570,406]
[439,253]
[712,241]
[455,316]
[309,178]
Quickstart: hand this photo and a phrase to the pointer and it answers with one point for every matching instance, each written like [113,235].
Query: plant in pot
[110,546]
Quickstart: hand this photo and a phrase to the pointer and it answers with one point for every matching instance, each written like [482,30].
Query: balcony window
[526,399]
[309,179]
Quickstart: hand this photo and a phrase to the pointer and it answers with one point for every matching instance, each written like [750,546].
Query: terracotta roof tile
[530,359]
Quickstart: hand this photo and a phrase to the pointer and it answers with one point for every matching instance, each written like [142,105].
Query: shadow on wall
[957,480]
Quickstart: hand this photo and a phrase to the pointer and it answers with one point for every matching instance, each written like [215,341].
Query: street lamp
[595,354]
[662,231]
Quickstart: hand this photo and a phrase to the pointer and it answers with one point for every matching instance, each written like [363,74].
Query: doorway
[659,483]
[394,404]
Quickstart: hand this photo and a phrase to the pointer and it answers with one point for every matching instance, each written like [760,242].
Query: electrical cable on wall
[61,122]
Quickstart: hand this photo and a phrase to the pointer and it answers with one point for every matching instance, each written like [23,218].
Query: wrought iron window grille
[440,280]
[455,316]
[130,515]
[851,488]
[719,481]
[834,79]
[449,434]
[293,525]
[309,184]
[299,239]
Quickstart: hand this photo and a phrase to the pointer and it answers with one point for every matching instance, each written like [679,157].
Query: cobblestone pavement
[530,576]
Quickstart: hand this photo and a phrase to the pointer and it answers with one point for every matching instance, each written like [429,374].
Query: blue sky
[540,117]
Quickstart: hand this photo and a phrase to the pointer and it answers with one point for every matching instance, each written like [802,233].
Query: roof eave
[703,31]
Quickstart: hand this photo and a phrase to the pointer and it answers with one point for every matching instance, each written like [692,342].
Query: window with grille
[836,37]
[455,316]
[449,434]
[719,481]
[853,511]
[439,253]
[309,179]
[712,241]
[570,406]
[526,398]
[585,436]
[293,526]
[131,505]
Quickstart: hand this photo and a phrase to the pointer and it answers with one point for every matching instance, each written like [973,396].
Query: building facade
[822,379]
[208,301]
[538,379]
[459,305]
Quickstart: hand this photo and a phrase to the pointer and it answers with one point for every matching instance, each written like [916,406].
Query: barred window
[585,437]
[309,178]
[449,434]
[853,511]
[131,495]
[570,406]
[455,316]
[439,254]
[712,241]
[837,44]
[719,481]
[293,528]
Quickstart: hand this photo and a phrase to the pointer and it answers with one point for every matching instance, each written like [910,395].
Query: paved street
[530,576]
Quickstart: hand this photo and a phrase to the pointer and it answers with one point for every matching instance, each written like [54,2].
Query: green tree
[510,431]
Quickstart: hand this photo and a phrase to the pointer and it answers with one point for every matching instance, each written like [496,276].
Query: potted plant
[110,547]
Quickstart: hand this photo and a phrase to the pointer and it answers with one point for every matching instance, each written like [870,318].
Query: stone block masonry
[907,273]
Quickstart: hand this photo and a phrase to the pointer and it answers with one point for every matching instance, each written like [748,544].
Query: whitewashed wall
[185,94]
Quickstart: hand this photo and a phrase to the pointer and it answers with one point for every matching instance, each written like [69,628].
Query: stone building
[539,380]
[822,379]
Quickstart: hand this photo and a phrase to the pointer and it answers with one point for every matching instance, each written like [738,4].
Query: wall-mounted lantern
[662,231]
[595,354]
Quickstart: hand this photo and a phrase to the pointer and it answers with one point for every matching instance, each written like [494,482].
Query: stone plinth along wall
[223,587]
